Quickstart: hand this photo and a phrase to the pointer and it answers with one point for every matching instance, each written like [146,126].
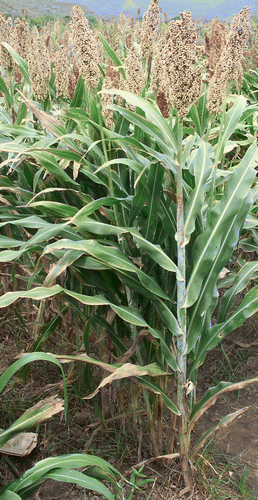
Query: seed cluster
[150,28]
[214,44]
[135,79]
[176,58]
[39,65]
[182,77]
[6,35]
[61,70]
[229,66]
[87,49]
[112,80]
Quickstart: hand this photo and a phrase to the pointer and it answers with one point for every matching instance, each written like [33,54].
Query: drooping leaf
[33,416]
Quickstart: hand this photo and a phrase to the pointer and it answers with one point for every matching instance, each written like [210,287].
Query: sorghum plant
[145,234]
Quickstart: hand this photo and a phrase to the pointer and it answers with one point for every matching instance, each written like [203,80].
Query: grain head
[214,44]
[135,78]
[230,65]
[182,75]
[6,35]
[87,49]
[61,70]
[21,38]
[39,66]
[150,28]
[111,80]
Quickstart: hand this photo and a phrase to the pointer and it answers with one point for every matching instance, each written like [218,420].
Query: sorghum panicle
[6,35]
[21,38]
[123,30]
[135,79]
[182,77]
[87,49]
[150,28]
[214,44]
[39,66]
[111,80]
[229,67]
[61,70]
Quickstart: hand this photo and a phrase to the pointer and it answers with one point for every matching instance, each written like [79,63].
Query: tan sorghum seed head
[86,48]
[182,77]
[123,30]
[150,28]
[162,102]
[135,79]
[6,35]
[157,67]
[214,44]
[61,69]
[111,80]
[65,37]
[21,38]
[72,82]
[39,68]
[76,71]
[229,67]
[57,29]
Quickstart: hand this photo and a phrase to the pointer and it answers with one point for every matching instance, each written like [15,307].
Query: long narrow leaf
[208,243]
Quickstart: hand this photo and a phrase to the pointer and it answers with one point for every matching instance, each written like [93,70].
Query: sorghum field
[128,261]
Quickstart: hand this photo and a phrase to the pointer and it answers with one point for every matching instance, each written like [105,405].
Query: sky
[205,9]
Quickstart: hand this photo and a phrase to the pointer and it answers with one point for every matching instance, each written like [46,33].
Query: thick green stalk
[181,316]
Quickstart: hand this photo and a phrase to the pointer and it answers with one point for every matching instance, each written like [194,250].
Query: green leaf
[37,293]
[5,91]
[95,205]
[211,396]
[10,495]
[107,254]
[154,251]
[154,124]
[21,63]
[209,242]
[76,477]
[248,245]
[201,312]
[48,161]
[216,333]
[241,281]
[36,474]
[5,241]
[55,208]
[168,317]
[20,131]
[130,314]
[195,200]
[65,261]
[79,94]
[232,119]
[167,353]
[157,390]
[28,358]
[33,416]
[111,53]
[155,178]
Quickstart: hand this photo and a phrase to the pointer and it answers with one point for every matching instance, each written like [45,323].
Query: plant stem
[181,317]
